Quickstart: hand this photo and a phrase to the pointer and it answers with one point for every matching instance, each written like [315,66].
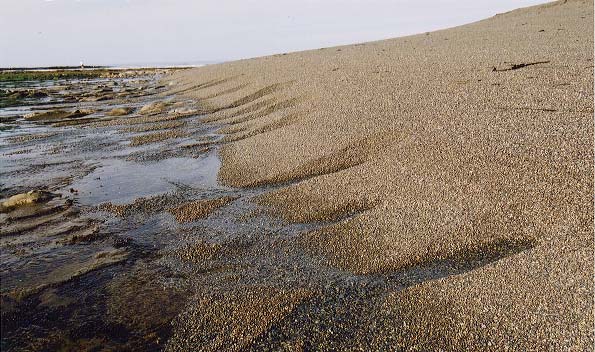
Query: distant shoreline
[91,68]
[51,68]
[71,72]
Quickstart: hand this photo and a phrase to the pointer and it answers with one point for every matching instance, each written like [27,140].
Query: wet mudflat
[77,274]
[120,236]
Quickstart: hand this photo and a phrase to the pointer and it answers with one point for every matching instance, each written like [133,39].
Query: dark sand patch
[69,272]
[142,302]
[233,319]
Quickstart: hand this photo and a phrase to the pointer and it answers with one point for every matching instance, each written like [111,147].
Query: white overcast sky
[121,32]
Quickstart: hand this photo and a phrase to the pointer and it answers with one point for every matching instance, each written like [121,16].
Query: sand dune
[472,144]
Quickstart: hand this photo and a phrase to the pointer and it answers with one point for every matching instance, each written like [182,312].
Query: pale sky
[121,32]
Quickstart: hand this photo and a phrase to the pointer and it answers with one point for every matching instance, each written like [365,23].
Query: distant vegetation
[11,76]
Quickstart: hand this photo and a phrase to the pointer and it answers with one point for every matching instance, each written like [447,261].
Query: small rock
[183,111]
[35,196]
[57,115]
[120,111]
[36,94]
[153,108]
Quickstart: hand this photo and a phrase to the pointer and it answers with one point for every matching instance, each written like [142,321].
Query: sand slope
[468,143]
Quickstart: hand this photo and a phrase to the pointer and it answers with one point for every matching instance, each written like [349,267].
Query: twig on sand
[517,66]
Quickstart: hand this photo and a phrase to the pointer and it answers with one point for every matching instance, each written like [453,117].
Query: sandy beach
[424,193]
[471,146]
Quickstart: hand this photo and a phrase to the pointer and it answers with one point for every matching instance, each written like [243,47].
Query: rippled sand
[471,146]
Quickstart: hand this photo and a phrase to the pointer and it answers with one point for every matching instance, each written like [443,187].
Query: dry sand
[450,144]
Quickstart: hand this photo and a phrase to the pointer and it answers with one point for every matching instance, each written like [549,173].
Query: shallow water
[120,181]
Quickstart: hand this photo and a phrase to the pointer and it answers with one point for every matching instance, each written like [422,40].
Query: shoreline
[129,214]
[56,73]
[92,68]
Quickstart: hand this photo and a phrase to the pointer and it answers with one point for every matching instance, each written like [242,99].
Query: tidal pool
[120,181]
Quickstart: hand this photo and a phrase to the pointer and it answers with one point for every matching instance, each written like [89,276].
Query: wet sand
[453,166]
